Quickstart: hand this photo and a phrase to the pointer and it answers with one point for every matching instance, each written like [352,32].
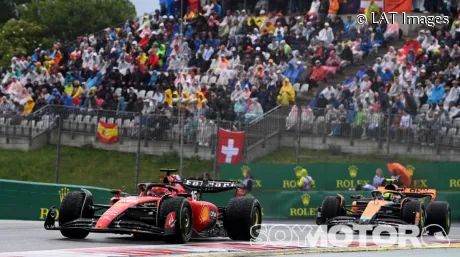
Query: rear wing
[211,186]
[414,192]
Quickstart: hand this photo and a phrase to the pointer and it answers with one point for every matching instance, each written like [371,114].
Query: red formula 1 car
[173,211]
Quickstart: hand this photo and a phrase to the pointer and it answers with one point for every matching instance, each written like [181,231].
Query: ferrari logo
[306,199]
[353,170]
[204,216]
[62,192]
[410,170]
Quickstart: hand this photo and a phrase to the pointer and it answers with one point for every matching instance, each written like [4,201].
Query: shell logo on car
[204,215]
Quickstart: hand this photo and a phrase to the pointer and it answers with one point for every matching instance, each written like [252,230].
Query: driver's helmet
[157,191]
[389,196]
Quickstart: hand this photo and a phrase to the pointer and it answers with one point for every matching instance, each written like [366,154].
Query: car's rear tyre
[331,208]
[74,206]
[183,226]
[409,211]
[243,217]
[438,213]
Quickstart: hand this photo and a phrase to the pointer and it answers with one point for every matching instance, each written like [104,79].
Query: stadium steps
[304,99]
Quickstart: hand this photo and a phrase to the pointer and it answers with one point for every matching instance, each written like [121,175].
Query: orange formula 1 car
[390,206]
[173,210]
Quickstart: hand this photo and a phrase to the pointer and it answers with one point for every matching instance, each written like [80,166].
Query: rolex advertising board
[338,177]
[31,201]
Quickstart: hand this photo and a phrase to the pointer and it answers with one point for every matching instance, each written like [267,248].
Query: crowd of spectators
[411,93]
[250,60]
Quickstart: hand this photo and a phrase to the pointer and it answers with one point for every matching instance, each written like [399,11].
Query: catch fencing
[364,133]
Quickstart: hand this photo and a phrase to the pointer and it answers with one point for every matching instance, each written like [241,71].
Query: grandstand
[269,74]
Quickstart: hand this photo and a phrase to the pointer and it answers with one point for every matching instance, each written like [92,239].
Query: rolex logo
[353,170]
[298,171]
[306,199]
[410,170]
[245,170]
[62,192]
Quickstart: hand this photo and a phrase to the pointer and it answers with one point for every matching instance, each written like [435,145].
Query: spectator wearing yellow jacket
[29,106]
[333,9]
[168,97]
[287,93]
[372,8]
[200,100]
[260,19]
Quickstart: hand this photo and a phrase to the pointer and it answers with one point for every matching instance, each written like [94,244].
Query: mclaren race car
[390,206]
[172,210]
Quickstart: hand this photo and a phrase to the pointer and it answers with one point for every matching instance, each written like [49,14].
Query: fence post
[30,133]
[58,154]
[181,146]
[216,148]
[388,131]
[298,127]
[246,145]
[138,153]
[144,119]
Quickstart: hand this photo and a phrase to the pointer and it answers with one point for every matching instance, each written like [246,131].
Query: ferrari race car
[173,211]
[389,206]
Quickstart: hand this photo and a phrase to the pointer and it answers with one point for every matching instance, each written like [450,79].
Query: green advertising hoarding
[30,201]
[304,205]
[338,177]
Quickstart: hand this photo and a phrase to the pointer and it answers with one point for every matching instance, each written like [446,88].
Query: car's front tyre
[183,225]
[438,213]
[75,205]
[243,217]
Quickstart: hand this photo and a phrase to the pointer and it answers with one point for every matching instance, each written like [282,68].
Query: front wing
[117,227]
[353,221]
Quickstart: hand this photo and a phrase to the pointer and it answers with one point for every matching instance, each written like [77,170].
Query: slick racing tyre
[331,208]
[243,218]
[409,211]
[74,206]
[438,213]
[184,219]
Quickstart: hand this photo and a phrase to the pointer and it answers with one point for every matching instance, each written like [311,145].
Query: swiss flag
[230,147]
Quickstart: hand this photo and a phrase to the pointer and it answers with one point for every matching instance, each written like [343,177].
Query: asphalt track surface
[25,236]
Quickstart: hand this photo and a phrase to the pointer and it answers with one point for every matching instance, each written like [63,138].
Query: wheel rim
[422,219]
[256,219]
[257,216]
[448,221]
[186,221]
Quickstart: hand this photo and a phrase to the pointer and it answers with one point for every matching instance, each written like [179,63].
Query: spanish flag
[107,133]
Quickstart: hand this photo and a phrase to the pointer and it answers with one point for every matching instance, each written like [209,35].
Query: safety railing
[373,132]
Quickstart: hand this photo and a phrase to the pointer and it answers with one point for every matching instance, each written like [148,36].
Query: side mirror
[115,191]
[356,197]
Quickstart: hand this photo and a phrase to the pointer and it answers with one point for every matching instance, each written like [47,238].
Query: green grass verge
[287,156]
[111,169]
[92,167]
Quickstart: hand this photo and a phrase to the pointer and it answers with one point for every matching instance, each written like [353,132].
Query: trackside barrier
[21,200]
[443,176]
[30,201]
[303,205]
